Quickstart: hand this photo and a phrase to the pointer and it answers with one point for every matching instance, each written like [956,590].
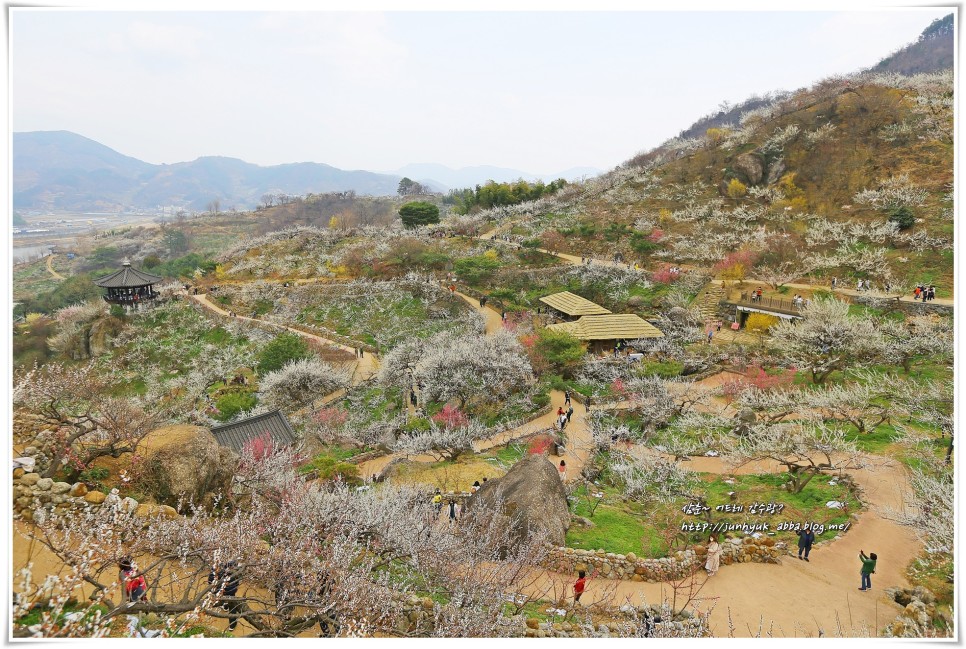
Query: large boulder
[531,495]
[749,165]
[186,463]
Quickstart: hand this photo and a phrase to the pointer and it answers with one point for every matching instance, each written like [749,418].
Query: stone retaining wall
[33,495]
[700,376]
[609,565]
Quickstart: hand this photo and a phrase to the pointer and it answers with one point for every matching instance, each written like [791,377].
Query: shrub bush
[903,217]
[285,348]
[232,403]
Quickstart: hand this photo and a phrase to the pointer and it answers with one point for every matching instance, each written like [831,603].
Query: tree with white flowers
[301,381]
[83,420]
[460,366]
[444,443]
[827,339]
[804,449]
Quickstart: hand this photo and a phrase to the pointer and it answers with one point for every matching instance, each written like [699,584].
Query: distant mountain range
[60,170]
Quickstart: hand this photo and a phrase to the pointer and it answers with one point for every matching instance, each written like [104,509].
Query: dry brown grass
[447,476]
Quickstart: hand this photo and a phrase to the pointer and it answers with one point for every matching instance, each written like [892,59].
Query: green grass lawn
[625,526]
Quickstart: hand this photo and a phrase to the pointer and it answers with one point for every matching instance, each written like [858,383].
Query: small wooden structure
[239,434]
[129,286]
[603,332]
[568,306]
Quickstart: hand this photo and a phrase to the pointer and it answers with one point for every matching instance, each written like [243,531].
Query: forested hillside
[852,177]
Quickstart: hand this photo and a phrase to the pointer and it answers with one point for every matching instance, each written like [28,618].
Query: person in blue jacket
[805,539]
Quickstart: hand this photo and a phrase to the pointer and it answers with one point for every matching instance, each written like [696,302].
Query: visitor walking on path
[566,397]
[134,585]
[452,512]
[225,578]
[714,557]
[710,335]
[563,470]
[805,540]
[868,569]
[570,412]
[580,585]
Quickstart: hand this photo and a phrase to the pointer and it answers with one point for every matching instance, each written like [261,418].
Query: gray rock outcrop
[532,495]
[749,165]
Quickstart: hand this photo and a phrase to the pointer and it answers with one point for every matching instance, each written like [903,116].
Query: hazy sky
[536,91]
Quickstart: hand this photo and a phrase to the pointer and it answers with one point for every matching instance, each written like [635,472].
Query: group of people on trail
[455,509]
[756,295]
[799,301]
[924,293]
[563,416]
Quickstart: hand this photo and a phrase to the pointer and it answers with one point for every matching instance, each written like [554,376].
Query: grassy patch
[623,526]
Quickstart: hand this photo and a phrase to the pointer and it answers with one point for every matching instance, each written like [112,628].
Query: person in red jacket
[580,585]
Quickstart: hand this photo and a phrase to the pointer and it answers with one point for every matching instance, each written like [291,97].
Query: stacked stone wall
[609,565]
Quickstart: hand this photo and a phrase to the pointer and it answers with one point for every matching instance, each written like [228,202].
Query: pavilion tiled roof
[240,433]
[573,305]
[127,277]
[612,326]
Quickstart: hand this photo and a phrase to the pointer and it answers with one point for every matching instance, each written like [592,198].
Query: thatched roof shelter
[573,305]
[612,326]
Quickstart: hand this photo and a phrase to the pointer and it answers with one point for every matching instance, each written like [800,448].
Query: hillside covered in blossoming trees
[695,396]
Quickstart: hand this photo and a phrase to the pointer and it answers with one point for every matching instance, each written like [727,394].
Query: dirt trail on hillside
[851,292]
[363,369]
[50,269]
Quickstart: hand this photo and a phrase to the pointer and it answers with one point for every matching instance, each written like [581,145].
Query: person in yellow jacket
[438,502]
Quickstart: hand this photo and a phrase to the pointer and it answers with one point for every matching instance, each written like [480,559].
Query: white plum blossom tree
[826,338]
[83,420]
[301,381]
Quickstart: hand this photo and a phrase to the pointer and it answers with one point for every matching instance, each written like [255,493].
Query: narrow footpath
[363,369]
[50,269]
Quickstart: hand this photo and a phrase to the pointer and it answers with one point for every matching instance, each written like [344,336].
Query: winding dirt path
[50,268]
[794,598]
[363,369]
[851,292]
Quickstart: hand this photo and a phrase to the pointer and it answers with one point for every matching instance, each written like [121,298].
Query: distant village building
[129,286]
[271,425]
[568,306]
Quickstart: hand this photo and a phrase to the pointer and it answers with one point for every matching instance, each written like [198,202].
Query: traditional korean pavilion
[129,286]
